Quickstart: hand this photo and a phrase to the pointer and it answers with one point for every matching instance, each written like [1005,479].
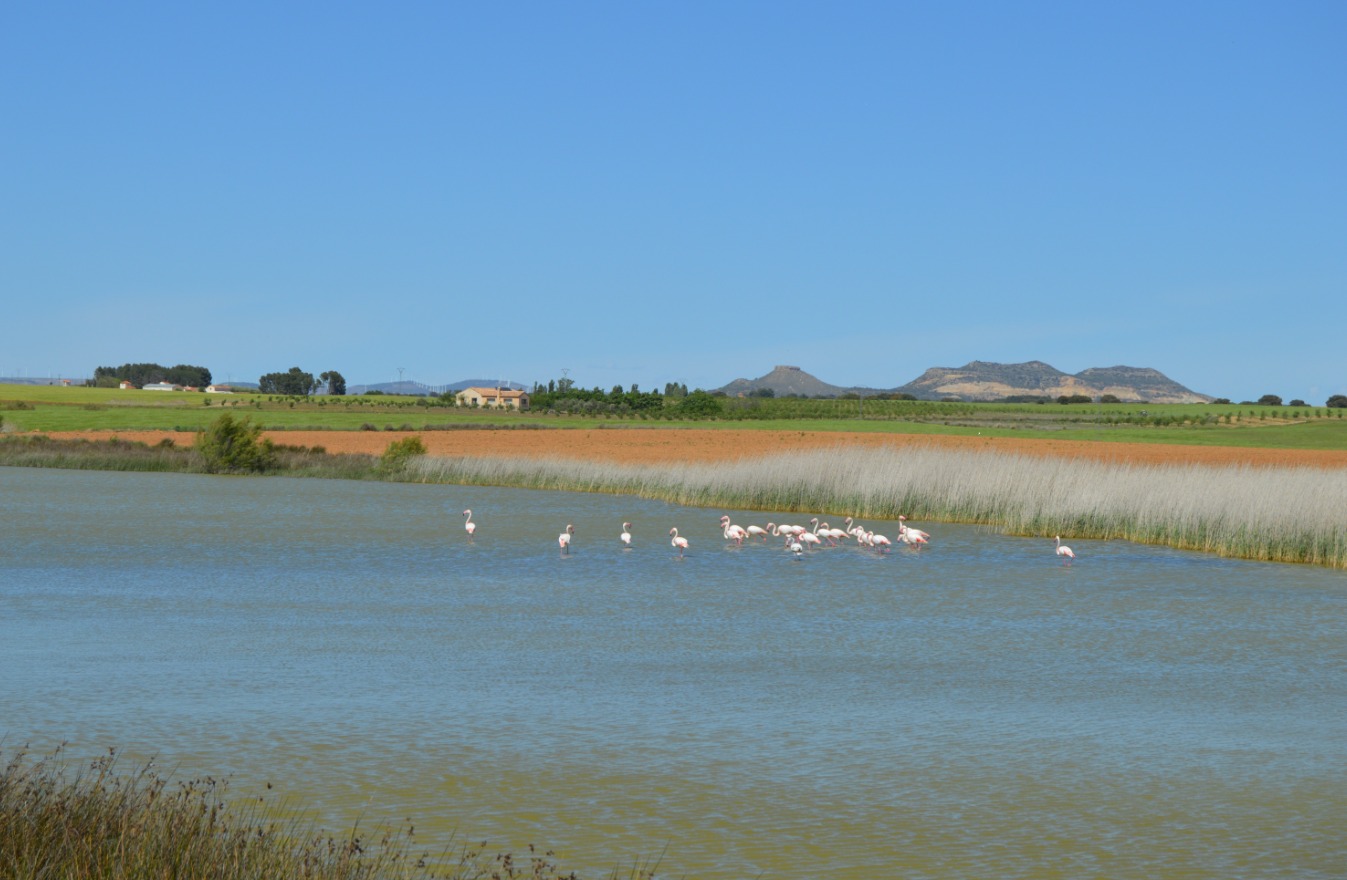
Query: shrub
[230,445]
[399,452]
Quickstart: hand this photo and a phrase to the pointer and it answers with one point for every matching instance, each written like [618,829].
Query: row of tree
[141,375]
[298,383]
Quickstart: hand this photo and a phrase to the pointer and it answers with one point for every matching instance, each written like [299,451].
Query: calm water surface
[975,710]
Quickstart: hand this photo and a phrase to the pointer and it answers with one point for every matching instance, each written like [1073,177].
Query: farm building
[498,397]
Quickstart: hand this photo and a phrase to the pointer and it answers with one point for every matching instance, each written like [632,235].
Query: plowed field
[652,445]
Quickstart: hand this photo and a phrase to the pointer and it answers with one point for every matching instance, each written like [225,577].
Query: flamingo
[793,545]
[903,526]
[911,537]
[878,541]
[758,531]
[732,532]
[680,543]
[564,539]
[625,537]
[469,525]
[833,535]
[1064,551]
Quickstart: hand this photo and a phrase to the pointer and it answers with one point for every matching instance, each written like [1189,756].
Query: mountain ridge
[988,381]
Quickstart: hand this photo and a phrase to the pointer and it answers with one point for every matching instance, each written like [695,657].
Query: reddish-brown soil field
[649,445]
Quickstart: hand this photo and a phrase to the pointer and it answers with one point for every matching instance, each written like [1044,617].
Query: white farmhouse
[497,397]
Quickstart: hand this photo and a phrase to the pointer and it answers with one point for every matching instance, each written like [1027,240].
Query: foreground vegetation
[91,822]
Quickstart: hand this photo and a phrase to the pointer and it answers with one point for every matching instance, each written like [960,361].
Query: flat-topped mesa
[987,380]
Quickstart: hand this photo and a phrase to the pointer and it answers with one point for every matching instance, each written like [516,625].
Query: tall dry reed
[70,821]
[1279,514]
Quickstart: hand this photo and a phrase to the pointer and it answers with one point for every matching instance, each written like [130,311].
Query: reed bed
[1275,514]
[89,822]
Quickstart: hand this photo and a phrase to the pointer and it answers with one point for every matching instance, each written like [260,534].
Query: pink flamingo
[564,539]
[1064,551]
[469,525]
[758,531]
[625,537]
[833,535]
[732,532]
[878,541]
[680,543]
[903,526]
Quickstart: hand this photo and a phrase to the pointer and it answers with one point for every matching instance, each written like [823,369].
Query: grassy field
[37,408]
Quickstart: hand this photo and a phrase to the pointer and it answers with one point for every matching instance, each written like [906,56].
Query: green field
[41,408]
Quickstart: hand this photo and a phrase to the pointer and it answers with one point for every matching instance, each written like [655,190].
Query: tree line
[298,383]
[141,375]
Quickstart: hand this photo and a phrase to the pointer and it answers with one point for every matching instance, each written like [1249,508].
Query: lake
[977,709]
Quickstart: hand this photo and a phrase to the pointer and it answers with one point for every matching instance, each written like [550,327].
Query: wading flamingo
[833,535]
[680,543]
[625,537]
[879,542]
[758,531]
[732,532]
[1064,551]
[564,539]
[469,525]
[903,526]
[793,545]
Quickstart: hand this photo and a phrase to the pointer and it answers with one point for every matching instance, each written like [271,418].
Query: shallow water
[974,710]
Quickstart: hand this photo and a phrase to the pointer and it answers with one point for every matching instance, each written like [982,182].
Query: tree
[699,404]
[1297,402]
[141,375]
[1074,398]
[1269,400]
[1337,401]
[1109,398]
[230,445]
[296,382]
[335,382]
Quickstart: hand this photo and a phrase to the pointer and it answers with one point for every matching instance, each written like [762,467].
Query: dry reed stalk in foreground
[94,822]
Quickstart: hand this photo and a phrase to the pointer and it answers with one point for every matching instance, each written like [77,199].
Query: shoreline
[704,446]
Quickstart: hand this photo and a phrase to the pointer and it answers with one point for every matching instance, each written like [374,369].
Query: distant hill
[420,389]
[786,380]
[982,380]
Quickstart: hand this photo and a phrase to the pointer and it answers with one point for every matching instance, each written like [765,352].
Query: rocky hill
[982,380]
[786,380]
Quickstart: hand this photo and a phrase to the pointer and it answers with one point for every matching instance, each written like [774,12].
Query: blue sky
[645,192]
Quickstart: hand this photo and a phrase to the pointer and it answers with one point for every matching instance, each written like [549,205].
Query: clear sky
[646,192]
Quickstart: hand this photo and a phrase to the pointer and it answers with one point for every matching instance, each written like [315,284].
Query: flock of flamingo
[798,539]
